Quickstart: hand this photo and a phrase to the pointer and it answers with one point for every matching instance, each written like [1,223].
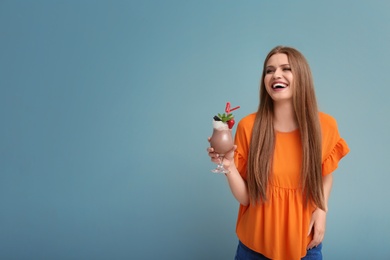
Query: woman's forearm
[238,186]
[327,182]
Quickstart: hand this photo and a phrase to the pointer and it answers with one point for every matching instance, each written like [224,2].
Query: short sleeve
[242,139]
[331,162]
[240,162]
[334,147]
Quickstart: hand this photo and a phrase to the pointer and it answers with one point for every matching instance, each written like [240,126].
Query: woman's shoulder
[327,121]
[248,120]
[329,129]
[245,125]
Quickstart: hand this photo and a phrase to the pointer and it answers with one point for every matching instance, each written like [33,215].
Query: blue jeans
[244,253]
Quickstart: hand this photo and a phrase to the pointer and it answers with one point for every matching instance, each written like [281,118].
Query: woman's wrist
[324,210]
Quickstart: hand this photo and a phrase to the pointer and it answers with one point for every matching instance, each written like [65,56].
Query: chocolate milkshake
[221,140]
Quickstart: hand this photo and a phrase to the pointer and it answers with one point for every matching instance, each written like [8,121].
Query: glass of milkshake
[222,140]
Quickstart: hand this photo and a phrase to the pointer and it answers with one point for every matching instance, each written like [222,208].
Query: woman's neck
[284,117]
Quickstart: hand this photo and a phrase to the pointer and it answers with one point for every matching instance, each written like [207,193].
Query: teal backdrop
[106,107]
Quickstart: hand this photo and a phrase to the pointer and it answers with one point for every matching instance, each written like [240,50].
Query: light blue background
[106,107]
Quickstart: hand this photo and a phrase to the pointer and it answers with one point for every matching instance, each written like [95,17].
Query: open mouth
[279,86]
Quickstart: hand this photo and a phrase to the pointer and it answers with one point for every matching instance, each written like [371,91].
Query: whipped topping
[219,125]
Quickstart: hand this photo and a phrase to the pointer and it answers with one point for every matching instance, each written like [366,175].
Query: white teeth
[279,85]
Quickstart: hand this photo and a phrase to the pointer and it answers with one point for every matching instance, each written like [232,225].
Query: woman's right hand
[228,159]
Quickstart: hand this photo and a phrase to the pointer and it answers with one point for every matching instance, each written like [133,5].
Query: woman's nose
[277,74]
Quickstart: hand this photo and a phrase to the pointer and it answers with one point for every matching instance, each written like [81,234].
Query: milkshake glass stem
[220,168]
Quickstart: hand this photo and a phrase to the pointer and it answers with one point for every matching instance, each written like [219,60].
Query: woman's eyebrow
[282,65]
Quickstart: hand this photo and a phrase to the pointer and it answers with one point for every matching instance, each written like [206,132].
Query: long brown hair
[263,135]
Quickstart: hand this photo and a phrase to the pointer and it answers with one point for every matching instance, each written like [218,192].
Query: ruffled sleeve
[242,140]
[334,148]
[240,162]
[331,162]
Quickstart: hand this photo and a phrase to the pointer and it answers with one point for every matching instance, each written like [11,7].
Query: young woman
[281,168]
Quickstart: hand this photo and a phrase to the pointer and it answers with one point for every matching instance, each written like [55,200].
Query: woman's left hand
[317,226]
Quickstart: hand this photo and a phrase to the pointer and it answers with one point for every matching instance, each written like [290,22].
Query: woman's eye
[268,71]
[287,69]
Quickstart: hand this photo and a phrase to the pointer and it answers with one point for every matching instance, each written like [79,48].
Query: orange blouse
[278,227]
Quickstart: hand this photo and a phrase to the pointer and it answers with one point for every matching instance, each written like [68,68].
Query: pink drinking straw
[228,110]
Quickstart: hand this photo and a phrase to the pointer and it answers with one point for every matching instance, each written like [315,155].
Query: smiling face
[278,78]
